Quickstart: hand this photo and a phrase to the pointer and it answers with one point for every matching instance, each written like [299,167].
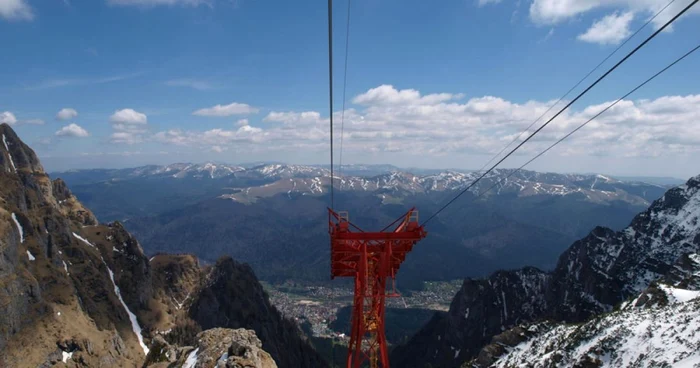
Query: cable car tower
[371,258]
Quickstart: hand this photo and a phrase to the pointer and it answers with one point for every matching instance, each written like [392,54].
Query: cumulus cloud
[128,116]
[10,119]
[66,114]
[242,122]
[233,108]
[213,137]
[388,95]
[129,125]
[610,30]
[295,118]
[551,12]
[72,130]
[7,117]
[15,10]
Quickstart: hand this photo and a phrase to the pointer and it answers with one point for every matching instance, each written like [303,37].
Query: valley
[272,216]
[322,306]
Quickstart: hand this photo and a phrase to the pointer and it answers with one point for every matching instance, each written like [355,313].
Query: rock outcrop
[218,347]
[232,297]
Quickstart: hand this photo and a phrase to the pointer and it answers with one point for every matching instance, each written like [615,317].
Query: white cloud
[295,118]
[151,3]
[233,108]
[190,83]
[388,95]
[213,137]
[72,130]
[609,30]
[130,126]
[7,117]
[242,122]
[550,12]
[10,119]
[439,129]
[66,114]
[128,116]
[15,10]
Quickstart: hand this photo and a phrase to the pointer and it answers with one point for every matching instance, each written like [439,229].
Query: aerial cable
[563,109]
[575,85]
[589,120]
[330,85]
[345,83]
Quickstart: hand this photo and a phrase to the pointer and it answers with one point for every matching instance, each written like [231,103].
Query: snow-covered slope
[655,337]
[658,328]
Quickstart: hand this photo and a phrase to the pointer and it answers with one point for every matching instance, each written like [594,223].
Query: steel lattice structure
[371,258]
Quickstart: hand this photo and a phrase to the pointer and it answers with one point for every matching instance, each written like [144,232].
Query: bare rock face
[69,204]
[217,347]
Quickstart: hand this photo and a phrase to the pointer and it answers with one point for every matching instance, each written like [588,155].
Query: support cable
[653,35]
[330,85]
[589,120]
[575,85]
[345,83]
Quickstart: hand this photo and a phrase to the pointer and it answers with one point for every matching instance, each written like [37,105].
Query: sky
[430,84]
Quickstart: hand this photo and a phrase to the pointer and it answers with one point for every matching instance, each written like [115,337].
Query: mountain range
[273,216]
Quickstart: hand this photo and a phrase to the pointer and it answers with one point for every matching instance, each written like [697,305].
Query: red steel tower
[371,258]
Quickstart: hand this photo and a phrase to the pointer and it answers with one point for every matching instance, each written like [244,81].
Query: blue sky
[430,84]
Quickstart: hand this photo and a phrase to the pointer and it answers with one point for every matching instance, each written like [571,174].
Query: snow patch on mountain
[191,359]
[19,228]
[132,317]
[676,295]
[12,163]
[83,240]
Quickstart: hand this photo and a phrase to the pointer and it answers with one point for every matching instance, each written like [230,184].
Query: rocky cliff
[84,294]
[593,276]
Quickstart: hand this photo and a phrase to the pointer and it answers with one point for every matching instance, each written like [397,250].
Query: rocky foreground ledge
[217,347]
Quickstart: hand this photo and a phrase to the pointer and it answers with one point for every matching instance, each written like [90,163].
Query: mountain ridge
[75,291]
[593,275]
